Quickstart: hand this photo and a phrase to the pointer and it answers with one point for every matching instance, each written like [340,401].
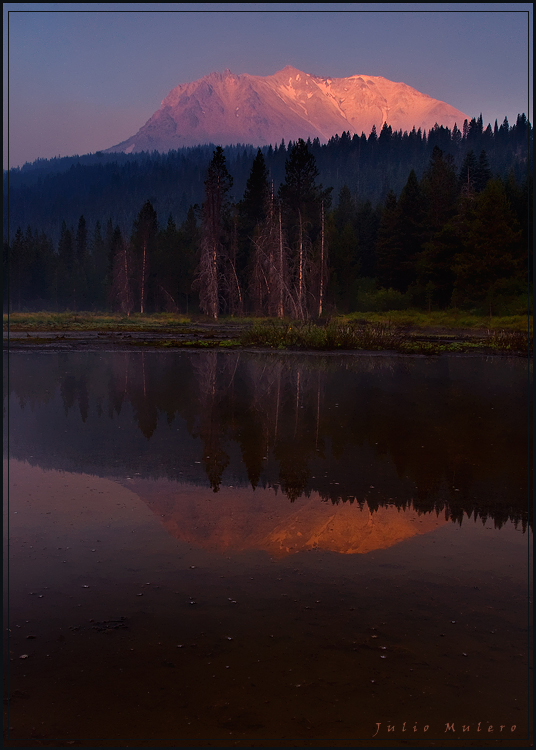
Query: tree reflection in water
[447,434]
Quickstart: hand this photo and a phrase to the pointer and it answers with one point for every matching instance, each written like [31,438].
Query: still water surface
[232,548]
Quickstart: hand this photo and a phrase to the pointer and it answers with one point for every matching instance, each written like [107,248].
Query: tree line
[102,186]
[453,237]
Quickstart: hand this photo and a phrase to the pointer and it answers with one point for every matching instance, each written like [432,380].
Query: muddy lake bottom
[142,609]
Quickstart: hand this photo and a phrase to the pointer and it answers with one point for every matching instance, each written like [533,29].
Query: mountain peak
[291,70]
[225,108]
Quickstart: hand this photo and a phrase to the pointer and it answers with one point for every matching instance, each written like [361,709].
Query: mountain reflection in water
[237,523]
[279,549]
[446,434]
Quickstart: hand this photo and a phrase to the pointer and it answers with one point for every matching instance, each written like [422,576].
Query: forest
[390,221]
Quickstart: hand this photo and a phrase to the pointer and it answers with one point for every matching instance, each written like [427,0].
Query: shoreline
[229,338]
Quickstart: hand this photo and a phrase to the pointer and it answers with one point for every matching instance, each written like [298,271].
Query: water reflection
[237,522]
[260,549]
[446,435]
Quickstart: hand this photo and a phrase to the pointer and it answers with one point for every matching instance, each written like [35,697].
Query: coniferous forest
[390,221]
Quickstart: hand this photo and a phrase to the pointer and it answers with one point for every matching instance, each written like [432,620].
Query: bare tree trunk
[297,402]
[321,290]
[300,266]
[173,306]
[142,289]
[125,272]
[121,281]
[230,282]
[235,293]
[214,276]
[280,269]
[207,277]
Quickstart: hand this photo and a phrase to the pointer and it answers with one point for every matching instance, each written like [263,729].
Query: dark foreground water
[230,549]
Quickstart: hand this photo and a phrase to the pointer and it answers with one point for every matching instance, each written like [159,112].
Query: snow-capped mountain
[225,109]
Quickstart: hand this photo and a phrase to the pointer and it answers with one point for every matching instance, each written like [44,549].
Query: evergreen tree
[41,272]
[490,261]
[16,271]
[144,241]
[482,173]
[166,268]
[344,248]
[187,254]
[388,243]
[214,235]
[440,189]
[302,200]
[81,263]
[252,207]
[66,283]
[252,212]
[410,229]
[6,251]
[123,296]
[98,266]
[367,231]
[468,172]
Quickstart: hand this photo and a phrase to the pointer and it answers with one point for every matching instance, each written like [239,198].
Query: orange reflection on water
[240,519]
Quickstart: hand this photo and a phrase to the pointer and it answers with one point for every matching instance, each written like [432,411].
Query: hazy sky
[85,76]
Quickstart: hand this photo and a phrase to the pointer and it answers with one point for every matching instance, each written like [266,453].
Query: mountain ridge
[226,108]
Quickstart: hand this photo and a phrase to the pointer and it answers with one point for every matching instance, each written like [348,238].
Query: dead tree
[122,277]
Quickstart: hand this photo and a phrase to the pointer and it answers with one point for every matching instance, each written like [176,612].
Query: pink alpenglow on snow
[225,109]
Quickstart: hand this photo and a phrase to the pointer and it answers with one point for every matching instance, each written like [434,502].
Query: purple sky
[84,81]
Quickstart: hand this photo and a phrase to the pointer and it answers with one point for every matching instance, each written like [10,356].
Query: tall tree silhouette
[122,275]
[302,201]
[214,234]
[144,237]
[490,261]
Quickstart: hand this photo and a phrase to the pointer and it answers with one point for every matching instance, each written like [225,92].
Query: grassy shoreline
[407,332]
[414,319]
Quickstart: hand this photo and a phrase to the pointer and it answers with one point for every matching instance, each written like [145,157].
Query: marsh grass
[516,342]
[89,321]
[376,337]
[405,331]
[329,337]
[440,319]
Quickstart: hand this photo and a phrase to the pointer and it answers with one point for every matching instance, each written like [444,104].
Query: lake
[266,549]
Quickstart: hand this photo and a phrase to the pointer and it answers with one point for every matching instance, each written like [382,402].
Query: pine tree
[440,188]
[81,262]
[144,240]
[187,253]
[410,229]
[482,173]
[367,230]
[166,268]
[16,270]
[97,269]
[122,276]
[214,235]
[302,200]
[252,231]
[66,266]
[489,263]
[344,248]
[467,174]
[388,243]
